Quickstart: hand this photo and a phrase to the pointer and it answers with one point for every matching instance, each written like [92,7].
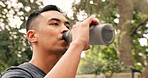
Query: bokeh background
[128,17]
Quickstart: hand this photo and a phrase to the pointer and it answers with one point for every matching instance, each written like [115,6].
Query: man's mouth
[60,37]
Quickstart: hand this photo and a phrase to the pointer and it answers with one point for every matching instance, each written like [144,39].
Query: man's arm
[67,65]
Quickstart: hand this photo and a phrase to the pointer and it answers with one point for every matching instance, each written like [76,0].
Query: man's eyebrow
[56,19]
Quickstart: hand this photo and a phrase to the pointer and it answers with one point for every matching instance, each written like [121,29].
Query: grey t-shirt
[26,70]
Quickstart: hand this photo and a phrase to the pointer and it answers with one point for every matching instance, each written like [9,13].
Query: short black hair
[35,14]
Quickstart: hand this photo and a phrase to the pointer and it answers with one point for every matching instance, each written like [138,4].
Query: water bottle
[101,34]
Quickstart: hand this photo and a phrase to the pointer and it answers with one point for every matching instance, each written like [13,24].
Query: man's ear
[31,36]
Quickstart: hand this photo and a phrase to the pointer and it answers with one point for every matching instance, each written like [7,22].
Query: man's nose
[64,29]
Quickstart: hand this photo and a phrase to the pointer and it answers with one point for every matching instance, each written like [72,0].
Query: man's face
[49,32]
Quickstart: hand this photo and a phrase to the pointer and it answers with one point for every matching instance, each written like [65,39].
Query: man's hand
[80,32]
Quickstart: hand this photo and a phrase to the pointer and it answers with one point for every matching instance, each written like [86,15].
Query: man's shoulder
[17,72]
[25,70]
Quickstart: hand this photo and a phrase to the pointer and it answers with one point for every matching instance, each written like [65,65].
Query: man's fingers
[92,21]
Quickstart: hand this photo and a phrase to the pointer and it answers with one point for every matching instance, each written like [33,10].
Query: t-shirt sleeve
[16,74]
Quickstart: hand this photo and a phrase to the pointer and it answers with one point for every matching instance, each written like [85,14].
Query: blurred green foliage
[104,59]
[14,47]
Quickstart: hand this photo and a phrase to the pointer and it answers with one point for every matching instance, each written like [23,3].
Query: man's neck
[45,62]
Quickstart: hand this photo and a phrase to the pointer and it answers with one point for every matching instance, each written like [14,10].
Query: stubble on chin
[64,45]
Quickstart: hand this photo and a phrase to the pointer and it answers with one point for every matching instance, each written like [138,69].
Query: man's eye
[68,27]
[53,24]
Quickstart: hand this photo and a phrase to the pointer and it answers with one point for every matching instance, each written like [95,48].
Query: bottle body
[101,34]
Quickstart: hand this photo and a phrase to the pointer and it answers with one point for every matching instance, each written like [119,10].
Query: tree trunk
[124,26]
[145,72]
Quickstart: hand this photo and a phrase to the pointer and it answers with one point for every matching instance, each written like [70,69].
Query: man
[52,56]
